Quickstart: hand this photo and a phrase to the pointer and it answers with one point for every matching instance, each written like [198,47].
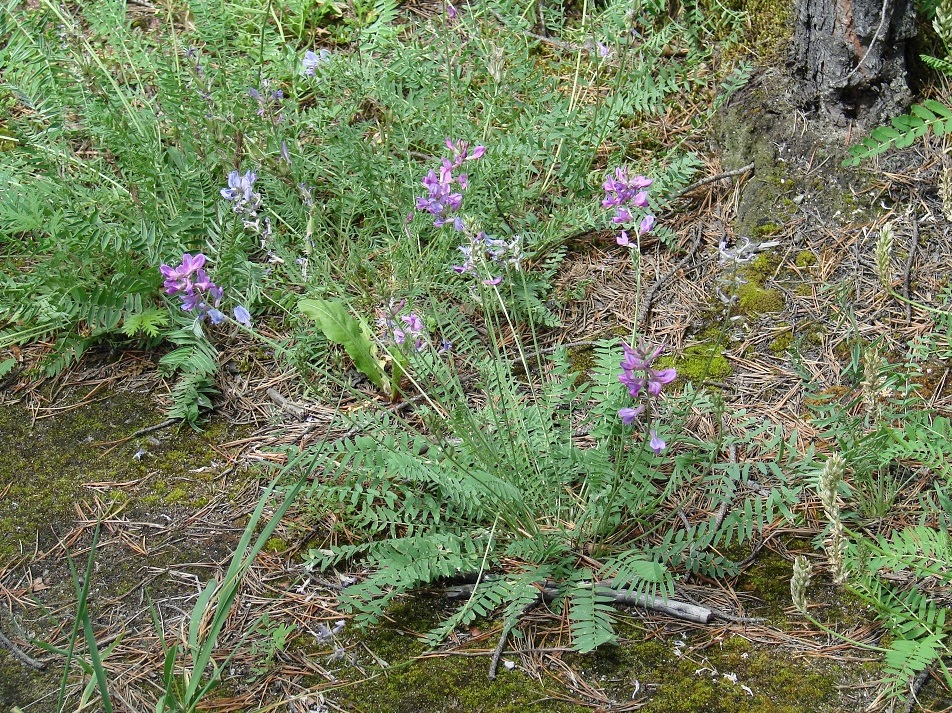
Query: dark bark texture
[850,57]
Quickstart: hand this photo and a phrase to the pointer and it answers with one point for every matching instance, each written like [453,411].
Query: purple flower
[634,383]
[190,281]
[413,322]
[640,358]
[658,379]
[240,188]
[623,192]
[657,445]
[215,316]
[628,415]
[242,315]
[493,281]
[642,381]
[313,59]
[397,328]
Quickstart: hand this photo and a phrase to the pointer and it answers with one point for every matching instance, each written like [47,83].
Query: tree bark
[850,57]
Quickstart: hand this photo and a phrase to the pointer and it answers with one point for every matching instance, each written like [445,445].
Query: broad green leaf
[339,327]
[6,366]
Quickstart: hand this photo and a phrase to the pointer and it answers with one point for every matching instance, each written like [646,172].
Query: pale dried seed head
[943,22]
[945,191]
[799,583]
[884,248]
[829,482]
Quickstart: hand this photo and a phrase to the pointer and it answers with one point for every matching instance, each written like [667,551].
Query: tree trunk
[850,56]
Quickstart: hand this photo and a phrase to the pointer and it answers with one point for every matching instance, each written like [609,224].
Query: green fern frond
[590,615]
[148,322]
[940,65]
[923,118]
[905,658]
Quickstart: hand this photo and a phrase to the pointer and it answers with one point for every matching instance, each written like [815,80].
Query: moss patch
[48,465]
[805,259]
[665,676]
[782,342]
[437,684]
[753,300]
[699,363]
[771,26]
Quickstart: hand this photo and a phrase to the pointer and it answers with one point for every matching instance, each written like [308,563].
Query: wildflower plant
[625,194]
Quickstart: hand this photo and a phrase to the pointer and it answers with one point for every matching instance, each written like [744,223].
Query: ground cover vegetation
[388,203]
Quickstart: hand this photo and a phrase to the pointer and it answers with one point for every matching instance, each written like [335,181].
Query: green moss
[753,300]
[766,230]
[769,580]
[672,680]
[805,259]
[699,363]
[276,544]
[45,466]
[764,267]
[782,342]
[445,684]
[771,26]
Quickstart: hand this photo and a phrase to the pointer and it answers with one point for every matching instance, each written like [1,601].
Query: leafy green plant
[509,488]
[341,328]
[883,429]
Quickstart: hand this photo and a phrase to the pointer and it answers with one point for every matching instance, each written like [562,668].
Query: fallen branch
[15,650]
[299,413]
[609,589]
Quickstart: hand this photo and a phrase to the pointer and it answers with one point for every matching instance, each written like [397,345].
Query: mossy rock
[412,683]
[45,466]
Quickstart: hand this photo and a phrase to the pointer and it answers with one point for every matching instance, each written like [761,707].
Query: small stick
[503,638]
[916,685]
[15,650]
[150,429]
[711,179]
[671,607]
[299,413]
[649,299]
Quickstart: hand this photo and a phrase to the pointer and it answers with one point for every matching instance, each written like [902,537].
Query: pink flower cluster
[199,294]
[643,382]
[624,193]
[398,327]
[441,201]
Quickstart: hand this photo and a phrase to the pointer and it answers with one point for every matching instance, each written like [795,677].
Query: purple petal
[628,415]
[215,316]
[242,315]
[493,281]
[657,445]
[647,223]
[622,239]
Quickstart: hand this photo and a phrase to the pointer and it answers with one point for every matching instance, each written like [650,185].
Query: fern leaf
[904,130]
[590,617]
